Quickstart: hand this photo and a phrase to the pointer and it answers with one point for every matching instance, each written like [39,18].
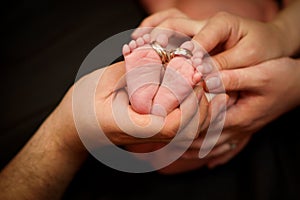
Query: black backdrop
[42,46]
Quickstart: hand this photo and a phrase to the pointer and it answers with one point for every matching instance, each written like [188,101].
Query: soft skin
[48,162]
[237,34]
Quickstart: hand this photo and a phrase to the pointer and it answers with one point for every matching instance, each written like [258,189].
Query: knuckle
[244,124]
[174,11]
[263,79]
[168,133]
[167,23]
[146,22]
[251,53]
[221,62]
[222,15]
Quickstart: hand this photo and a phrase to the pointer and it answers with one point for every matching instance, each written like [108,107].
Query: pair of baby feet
[153,88]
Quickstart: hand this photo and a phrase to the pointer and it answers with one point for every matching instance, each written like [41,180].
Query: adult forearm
[44,167]
[289,25]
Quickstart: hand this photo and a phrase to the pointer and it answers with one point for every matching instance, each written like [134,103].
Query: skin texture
[149,94]
[257,105]
[201,9]
[55,152]
[237,35]
[57,140]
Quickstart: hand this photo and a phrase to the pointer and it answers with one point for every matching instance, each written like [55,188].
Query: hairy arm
[46,164]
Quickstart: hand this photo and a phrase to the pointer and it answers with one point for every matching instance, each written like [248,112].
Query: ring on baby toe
[181,52]
[163,54]
[166,55]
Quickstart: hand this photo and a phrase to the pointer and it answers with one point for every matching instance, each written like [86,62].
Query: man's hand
[101,105]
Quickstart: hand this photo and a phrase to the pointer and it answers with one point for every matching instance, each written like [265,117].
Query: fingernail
[213,83]
[204,68]
[159,110]
[199,94]
[207,68]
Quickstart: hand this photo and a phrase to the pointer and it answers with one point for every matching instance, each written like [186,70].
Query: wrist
[282,37]
[64,130]
[286,23]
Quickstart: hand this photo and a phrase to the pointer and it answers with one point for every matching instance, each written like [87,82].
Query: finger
[245,119]
[215,112]
[225,142]
[218,29]
[181,26]
[213,124]
[249,78]
[222,159]
[203,112]
[132,123]
[222,146]
[126,119]
[159,17]
[171,125]
[202,116]
[185,119]
[112,74]
[228,127]
[156,19]
[150,127]
[233,97]
[223,138]
[232,58]
[223,28]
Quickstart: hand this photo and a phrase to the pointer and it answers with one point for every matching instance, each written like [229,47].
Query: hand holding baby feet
[144,70]
[180,77]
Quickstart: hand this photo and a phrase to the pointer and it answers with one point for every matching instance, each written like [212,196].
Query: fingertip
[188,45]
[139,32]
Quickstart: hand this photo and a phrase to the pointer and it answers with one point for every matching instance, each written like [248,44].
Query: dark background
[42,46]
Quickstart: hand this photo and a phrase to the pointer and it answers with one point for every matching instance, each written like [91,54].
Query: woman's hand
[241,42]
[169,22]
[266,91]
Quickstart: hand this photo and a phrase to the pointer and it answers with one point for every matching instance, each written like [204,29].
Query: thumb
[154,20]
[248,78]
[224,29]
[218,29]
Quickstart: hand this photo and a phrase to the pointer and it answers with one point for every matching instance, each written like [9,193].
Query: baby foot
[144,68]
[179,80]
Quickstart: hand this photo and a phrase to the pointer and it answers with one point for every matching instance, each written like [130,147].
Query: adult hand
[261,91]
[154,20]
[169,22]
[235,41]
[101,105]
[245,42]
[185,162]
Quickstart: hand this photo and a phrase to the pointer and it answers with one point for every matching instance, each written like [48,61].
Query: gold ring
[163,54]
[232,145]
[181,52]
